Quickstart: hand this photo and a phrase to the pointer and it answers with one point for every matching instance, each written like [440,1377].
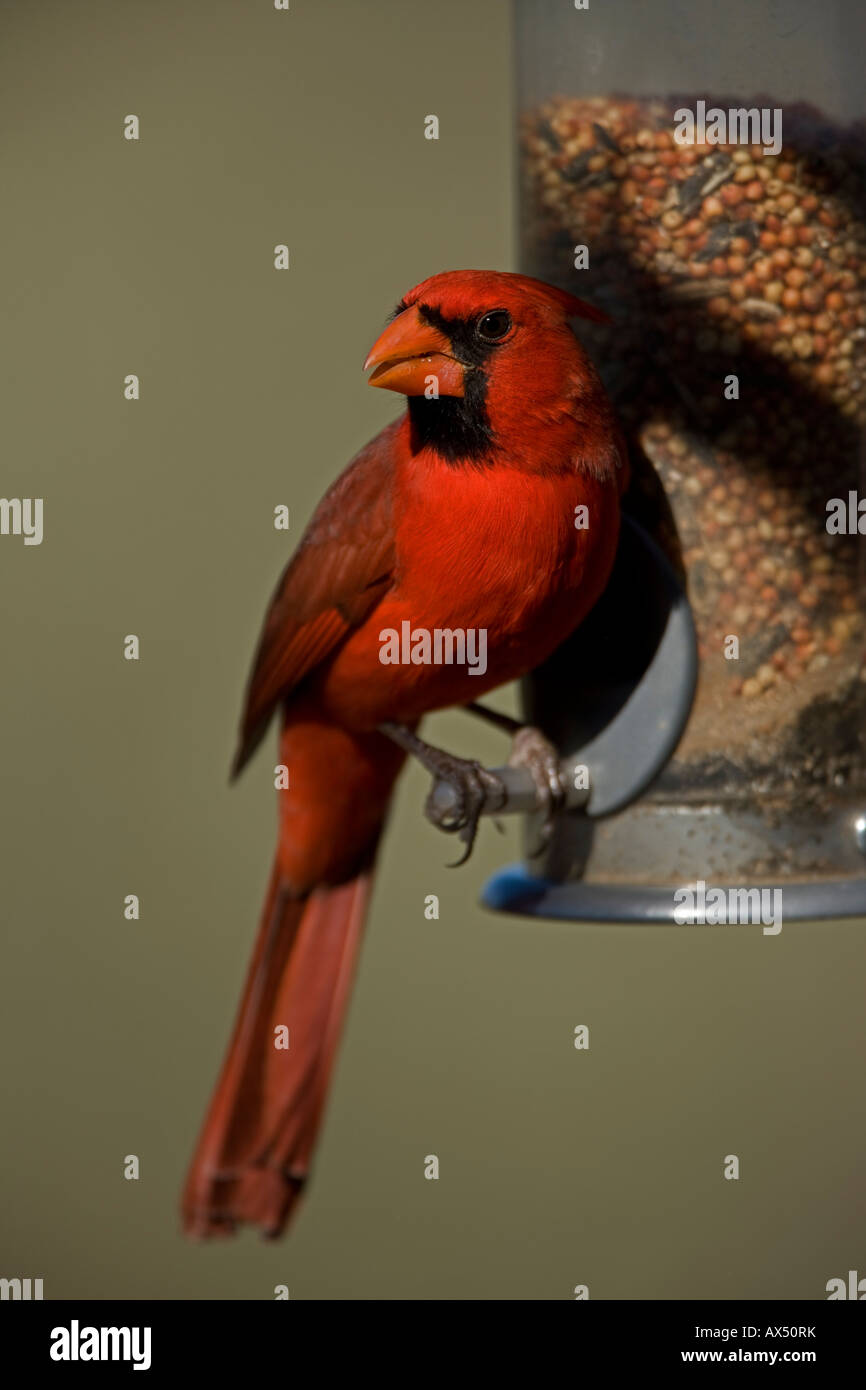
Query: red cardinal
[460,515]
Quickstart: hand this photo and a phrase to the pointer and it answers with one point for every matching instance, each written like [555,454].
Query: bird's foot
[461,788]
[530,749]
[471,787]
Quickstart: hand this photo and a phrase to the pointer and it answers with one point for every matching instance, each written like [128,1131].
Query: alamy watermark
[77,1343]
[698,905]
[739,125]
[846,516]
[22,516]
[441,646]
[20,1289]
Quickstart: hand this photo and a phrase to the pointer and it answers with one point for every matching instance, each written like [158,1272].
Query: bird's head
[483,356]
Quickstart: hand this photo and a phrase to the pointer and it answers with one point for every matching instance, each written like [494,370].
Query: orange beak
[409,353]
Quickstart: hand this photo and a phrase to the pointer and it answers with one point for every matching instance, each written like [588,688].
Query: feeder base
[514,890]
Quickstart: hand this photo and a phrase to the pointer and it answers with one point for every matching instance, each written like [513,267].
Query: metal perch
[521,792]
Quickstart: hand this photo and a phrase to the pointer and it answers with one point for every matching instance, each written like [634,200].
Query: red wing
[338,574]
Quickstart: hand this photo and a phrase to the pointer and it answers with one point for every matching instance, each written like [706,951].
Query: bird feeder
[699,172]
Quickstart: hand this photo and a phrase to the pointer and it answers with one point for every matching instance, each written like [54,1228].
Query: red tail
[253,1153]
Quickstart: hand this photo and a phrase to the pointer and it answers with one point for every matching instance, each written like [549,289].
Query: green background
[558,1167]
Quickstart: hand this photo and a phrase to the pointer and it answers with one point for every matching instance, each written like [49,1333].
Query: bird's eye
[494,326]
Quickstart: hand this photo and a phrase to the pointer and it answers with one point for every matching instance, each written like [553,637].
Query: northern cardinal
[461,515]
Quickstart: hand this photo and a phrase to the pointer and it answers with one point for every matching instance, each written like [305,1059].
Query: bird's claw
[537,754]
[472,785]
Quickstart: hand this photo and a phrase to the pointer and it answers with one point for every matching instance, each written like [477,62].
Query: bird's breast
[497,545]
[494,568]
